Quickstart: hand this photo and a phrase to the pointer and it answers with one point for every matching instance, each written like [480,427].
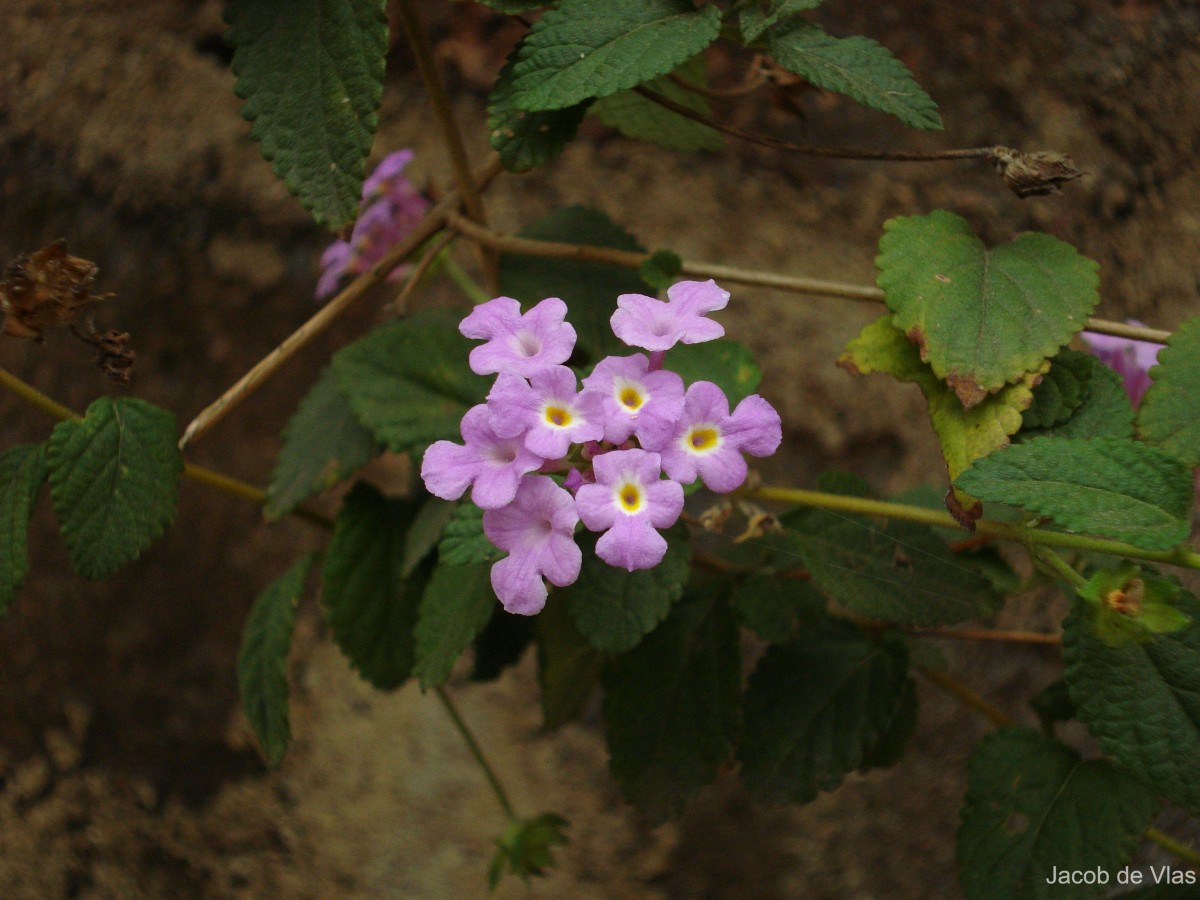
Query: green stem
[468,285]
[998,717]
[1180,849]
[1060,566]
[473,746]
[1182,556]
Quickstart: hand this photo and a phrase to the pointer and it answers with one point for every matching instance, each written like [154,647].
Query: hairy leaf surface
[456,607]
[22,471]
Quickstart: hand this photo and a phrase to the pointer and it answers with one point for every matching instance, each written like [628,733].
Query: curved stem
[476,751]
[795,284]
[998,717]
[1180,849]
[1059,566]
[1182,556]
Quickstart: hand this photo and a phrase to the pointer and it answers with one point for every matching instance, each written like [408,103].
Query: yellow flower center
[629,394]
[702,438]
[557,416]
[630,496]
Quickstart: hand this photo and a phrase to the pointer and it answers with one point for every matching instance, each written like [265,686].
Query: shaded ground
[126,769]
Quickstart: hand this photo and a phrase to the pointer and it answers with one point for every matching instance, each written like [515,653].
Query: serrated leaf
[1115,489]
[525,139]
[964,435]
[323,444]
[1034,807]
[311,72]
[463,541]
[755,21]
[672,707]
[457,605]
[425,533]
[890,747]
[370,608]
[982,318]
[585,49]
[661,269]
[726,363]
[1169,415]
[895,572]
[589,289]
[1104,412]
[1061,392]
[568,666]
[262,659]
[501,644]
[815,708]
[857,67]
[512,7]
[1142,700]
[22,471]
[773,606]
[640,117]
[615,609]
[409,381]
[114,480]
[1053,704]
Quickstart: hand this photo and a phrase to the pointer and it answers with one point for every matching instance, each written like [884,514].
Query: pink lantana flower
[391,208]
[488,463]
[519,344]
[708,442]
[536,529]
[548,410]
[634,398]
[651,324]
[628,503]
[1129,358]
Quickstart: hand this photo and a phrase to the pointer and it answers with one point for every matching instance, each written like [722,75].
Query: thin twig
[433,222]
[451,136]
[476,751]
[998,717]
[795,284]
[1173,845]
[753,80]
[413,281]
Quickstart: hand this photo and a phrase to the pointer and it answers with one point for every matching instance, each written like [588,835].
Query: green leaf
[371,608]
[425,533]
[1169,415]
[456,607]
[615,609]
[323,445]
[463,541]
[262,659]
[524,139]
[501,644]
[726,363]
[963,434]
[22,471]
[640,117]
[585,49]
[672,707]
[661,269]
[1033,807]
[772,606]
[568,666]
[114,480]
[1053,704]
[311,72]
[890,747]
[409,381]
[512,7]
[527,847]
[1104,411]
[1141,700]
[1116,489]
[895,572]
[982,318]
[1061,391]
[857,67]
[589,289]
[755,21]
[816,708]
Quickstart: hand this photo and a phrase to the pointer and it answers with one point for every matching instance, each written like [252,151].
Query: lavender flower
[519,344]
[634,398]
[1129,358]
[709,442]
[642,321]
[491,463]
[628,502]
[391,208]
[547,409]
[536,529]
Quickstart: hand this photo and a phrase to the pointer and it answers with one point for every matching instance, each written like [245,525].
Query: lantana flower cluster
[627,439]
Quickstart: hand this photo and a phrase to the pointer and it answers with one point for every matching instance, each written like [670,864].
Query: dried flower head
[46,289]
[1034,174]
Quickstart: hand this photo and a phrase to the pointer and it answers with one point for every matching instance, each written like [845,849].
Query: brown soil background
[125,768]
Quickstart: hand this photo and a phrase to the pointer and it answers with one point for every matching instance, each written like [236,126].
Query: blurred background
[126,769]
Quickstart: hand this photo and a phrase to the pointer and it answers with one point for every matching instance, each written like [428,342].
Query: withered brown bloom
[1034,174]
[47,289]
